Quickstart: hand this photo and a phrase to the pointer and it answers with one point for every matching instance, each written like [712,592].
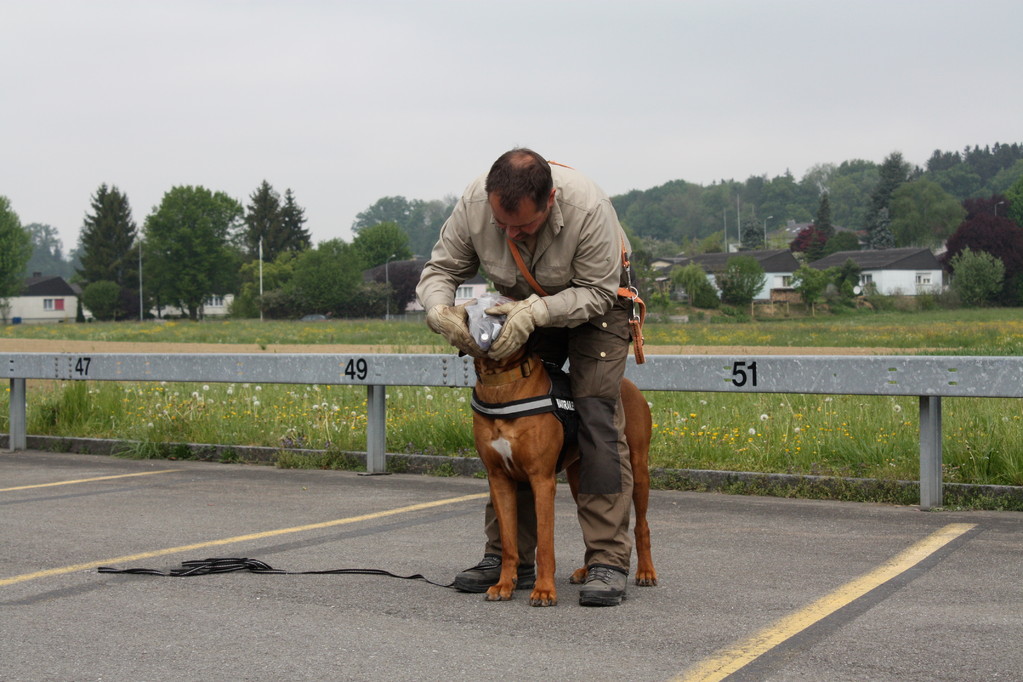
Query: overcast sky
[347,102]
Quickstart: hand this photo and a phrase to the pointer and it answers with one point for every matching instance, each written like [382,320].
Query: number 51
[740,375]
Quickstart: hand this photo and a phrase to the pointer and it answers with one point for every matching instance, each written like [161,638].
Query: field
[829,435]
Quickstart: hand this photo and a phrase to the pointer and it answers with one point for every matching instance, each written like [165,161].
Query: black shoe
[487,572]
[604,586]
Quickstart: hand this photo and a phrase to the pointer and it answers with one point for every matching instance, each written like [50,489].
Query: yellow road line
[728,661]
[87,480]
[238,538]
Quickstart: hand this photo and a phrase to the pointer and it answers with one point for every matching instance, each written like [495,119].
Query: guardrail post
[17,437]
[930,452]
[376,429]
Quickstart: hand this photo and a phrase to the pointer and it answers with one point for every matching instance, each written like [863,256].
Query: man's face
[526,220]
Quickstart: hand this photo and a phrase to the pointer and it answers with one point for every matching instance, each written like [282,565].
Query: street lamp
[996,207]
[141,317]
[260,279]
[387,281]
[765,229]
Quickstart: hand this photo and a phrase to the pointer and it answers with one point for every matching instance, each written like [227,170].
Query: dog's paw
[578,576]
[646,578]
[543,598]
[500,593]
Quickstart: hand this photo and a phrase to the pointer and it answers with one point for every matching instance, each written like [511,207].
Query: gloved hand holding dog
[523,318]
[451,322]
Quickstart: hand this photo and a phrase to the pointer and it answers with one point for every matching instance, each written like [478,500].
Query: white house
[468,290]
[44,299]
[778,265]
[214,306]
[909,271]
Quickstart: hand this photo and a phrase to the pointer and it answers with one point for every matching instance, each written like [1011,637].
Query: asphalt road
[754,588]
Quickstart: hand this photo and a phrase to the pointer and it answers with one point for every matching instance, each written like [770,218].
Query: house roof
[50,285]
[910,258]
[771,260]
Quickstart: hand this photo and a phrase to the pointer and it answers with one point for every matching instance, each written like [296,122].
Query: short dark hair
[518,174]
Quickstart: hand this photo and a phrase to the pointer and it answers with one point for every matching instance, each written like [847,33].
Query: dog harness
[557,401]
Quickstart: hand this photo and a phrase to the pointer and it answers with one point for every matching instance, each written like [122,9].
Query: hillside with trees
[200,243]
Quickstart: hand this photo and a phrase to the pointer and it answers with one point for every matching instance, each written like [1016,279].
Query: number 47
[743,372]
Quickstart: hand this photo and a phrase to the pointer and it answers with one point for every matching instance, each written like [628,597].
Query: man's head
[520,191]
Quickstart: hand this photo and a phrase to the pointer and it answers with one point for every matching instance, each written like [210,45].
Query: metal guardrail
[929,377]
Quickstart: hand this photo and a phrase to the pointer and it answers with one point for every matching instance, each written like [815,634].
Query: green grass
[858,436]
[979,331]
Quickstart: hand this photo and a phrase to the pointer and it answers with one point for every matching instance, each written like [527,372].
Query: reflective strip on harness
[520,408]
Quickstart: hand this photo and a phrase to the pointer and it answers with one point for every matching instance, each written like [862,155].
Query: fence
[931,378]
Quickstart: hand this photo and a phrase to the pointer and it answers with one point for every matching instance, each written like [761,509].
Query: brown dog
[526,449]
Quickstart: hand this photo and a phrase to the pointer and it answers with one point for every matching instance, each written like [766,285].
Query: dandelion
[764,417]
[897,408]
[752,432]
[205,387]
[703,402]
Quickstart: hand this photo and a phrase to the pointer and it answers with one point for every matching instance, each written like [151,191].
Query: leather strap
[522,268]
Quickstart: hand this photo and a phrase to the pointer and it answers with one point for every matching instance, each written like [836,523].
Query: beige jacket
[578,256]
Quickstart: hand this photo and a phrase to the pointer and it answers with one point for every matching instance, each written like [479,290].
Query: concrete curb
[734,482]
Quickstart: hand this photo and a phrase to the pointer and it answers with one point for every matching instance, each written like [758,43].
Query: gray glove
[451,322]
[523,318]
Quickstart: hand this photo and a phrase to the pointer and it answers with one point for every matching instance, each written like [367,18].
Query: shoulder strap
[522,268]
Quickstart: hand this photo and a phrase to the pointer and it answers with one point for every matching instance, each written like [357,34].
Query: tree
[296,237]
[809,283]
[15,250]
[809,241]
[823,222]
[420,220]
[103,299]
[881,236]
[47,252]
[846,277]
[187,247]
[279,226]
[380,243]
[849,193]
[693,280]
[842,241]
[1014,199]
[108,246]
[262,222]
[276,276]
[742,279]
[893,172]
[925,214]
[752,233]
[998,236]
[978,276]
[326,279]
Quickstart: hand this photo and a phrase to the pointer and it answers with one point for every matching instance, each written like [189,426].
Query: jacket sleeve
[452,261]
[598,267]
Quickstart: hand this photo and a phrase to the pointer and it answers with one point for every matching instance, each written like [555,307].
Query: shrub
[103,299]
[978,276]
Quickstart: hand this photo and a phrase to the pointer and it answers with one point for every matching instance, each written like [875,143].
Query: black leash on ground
[232,565]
